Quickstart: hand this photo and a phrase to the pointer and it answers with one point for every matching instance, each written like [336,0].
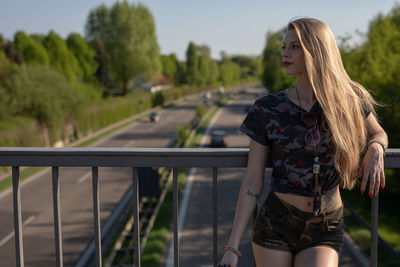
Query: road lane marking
[187,191]
[84,177]
[11,235]
[24,182]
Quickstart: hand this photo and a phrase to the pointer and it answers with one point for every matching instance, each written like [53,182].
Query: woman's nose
[285,53]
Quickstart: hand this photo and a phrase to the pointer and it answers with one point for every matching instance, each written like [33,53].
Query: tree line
[51,79]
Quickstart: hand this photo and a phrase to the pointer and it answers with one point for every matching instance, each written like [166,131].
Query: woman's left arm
[372,165]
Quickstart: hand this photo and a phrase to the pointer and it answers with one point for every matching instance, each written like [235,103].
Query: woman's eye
[283,47]
[295,46]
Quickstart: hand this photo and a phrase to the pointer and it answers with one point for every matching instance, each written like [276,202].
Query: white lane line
[187,191]
[11,235]
[84,177]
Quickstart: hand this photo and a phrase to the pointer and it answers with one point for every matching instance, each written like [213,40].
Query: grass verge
[158,236]
[7,182]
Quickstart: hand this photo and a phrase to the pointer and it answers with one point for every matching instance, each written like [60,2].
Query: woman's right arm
[249,193]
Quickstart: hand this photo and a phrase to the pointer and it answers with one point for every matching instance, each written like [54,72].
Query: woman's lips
[287,64]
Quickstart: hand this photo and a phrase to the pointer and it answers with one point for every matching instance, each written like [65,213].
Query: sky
[232,26]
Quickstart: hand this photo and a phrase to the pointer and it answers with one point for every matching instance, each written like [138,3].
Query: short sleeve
[367,109]
[255,125]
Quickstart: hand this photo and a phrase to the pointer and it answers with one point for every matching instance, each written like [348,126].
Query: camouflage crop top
[275,121]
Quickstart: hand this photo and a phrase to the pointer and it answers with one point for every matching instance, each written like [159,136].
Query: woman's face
[292,54]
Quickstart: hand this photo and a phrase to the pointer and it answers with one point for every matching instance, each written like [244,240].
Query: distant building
[160,85]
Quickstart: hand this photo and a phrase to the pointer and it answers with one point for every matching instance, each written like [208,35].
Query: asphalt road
[76,195]
[196,249]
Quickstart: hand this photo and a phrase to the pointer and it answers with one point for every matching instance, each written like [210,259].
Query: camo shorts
[282,226]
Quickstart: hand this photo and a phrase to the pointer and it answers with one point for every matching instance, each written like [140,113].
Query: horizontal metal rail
[134,158]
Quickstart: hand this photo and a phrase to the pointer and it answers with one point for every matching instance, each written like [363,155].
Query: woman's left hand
[372,166]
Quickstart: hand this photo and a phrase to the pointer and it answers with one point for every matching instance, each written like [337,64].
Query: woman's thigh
[266,257]
[320,256]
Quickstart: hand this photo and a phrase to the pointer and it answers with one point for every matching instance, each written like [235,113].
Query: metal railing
[135,158]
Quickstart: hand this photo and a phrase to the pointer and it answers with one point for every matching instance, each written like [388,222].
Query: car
[207,99]
[207,95]
[154,117]
[218,139]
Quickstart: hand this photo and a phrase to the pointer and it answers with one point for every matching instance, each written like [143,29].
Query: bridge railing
[136,158]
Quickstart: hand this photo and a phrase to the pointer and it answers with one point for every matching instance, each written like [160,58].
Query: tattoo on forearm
[252,195]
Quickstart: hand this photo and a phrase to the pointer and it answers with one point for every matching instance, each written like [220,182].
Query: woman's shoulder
[270,100]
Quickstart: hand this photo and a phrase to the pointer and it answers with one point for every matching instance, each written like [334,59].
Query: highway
[76,195]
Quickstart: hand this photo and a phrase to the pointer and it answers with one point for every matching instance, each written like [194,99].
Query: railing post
[136,230]
[176,229]
[57,217]
[96,215]
[19,248]
[374,231]
[176,226]
[215,216]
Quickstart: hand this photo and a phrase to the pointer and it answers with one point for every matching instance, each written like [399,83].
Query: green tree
[103,72]
[181,72]
[192,64]
[42,93]
[157,99]
[61,58]
[213,72]
[204,56]
[204,70]
[98,24]
[250,66]
[168,64]
[38,37]
[12,53]
[128,34]
[147,45]
[2,42]
[229,72]
[5,98]
[84,54]
[169,68]
[32,51]
[376,64]
[6,67]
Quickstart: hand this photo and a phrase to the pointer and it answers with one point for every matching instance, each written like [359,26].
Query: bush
[104,112]
[42,93]
[200,111]
[20,131]
[158,99]
[182,134]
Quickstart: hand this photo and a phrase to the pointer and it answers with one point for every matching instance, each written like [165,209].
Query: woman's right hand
[230,259]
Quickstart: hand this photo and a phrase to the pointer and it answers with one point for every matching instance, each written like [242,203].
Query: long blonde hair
[342,100]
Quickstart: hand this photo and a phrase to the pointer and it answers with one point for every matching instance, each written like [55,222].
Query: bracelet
[234,250]
[379,142]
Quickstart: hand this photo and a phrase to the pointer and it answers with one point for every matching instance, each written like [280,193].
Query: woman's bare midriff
[330,201]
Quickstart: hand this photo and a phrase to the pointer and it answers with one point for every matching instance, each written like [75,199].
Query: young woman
[315,133]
